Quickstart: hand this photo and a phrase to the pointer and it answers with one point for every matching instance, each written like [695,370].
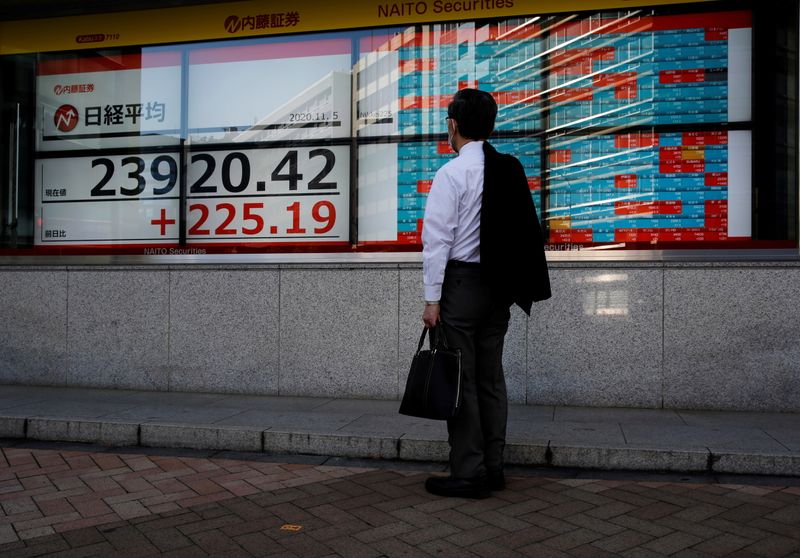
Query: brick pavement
[58,501]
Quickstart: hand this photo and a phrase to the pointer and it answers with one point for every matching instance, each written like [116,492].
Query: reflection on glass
[610,297]
[631,69]
[234,94]
[621,168]
[265,99]
[406,83]
[645,187]
[100,101]
[634,129]
[89,104]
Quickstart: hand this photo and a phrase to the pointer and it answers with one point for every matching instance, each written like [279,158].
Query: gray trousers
[476,322]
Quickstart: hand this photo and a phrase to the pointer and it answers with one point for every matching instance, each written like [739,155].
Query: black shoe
[496,480]
[476,487]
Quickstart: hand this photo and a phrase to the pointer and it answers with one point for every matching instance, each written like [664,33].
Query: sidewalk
[575,437]
[60,500]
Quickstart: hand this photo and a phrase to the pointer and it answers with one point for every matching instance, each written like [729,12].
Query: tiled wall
[629,335]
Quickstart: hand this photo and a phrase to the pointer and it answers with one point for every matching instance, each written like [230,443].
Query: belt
[466,265]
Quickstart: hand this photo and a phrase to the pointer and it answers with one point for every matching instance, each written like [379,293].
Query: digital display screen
[657,70]
[633,130]
[565,89]
[648,187]
[127,112]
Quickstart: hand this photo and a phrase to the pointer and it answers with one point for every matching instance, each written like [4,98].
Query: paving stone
[385,531]
[622,541]
[83,537]
[444,549]
[540,550]
[573,539]
[353,548]
[774,546]
[723,545]
[589,551]
[319,511]
[473,536]
[672,543]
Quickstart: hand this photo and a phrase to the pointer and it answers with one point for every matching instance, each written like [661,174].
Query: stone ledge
[787,464]
[641,459]
[409,447]
[87,431]
[201,437]
[338,445]
[12,427]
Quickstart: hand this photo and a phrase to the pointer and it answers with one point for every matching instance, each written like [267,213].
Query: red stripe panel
[417,65]
[714,208]
[626,181]
[673,168]
[625,92]
[717,20]
[630,141]
[571,235]
[716,34]
[668,235]
[108,63]
[716,179]
[717,223]
[682,76]
[704,138]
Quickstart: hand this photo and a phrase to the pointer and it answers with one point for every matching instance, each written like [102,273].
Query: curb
[404,448]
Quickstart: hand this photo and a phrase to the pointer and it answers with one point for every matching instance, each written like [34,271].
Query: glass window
[647,129]
[269,143]
[635,128]
[108,132]
[405,83]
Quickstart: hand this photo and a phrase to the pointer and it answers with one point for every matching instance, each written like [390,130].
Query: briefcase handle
[437,336]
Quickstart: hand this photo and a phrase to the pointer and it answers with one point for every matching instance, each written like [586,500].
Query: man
[483,250]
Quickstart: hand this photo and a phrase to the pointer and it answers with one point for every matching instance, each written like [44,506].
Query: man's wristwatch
[431,302]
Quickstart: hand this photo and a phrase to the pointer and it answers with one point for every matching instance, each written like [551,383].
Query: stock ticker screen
[634,130]
[631,129]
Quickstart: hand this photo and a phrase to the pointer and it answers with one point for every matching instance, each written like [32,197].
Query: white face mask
[450,132]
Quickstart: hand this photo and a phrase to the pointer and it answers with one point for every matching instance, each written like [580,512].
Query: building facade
[228,196]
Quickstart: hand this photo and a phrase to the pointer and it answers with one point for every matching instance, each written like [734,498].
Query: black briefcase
[433,388]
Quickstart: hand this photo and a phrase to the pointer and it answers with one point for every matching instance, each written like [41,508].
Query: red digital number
[250,215]
[203,217]
[222,229]
[296,229]
[329,218]
[323,213]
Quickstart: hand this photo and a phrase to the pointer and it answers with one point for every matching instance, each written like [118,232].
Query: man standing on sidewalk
[483,251]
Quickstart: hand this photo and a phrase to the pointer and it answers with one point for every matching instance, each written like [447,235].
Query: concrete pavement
[551,436]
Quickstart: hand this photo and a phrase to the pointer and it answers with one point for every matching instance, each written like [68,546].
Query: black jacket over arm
[512,243]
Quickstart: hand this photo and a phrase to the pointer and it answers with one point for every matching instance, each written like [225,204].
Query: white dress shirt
[452,225]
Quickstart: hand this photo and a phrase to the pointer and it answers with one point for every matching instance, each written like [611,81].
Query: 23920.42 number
[253,223]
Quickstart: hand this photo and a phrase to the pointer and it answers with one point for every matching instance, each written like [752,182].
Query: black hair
[474,111]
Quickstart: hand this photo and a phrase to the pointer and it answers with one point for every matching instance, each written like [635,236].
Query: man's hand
[430,317]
